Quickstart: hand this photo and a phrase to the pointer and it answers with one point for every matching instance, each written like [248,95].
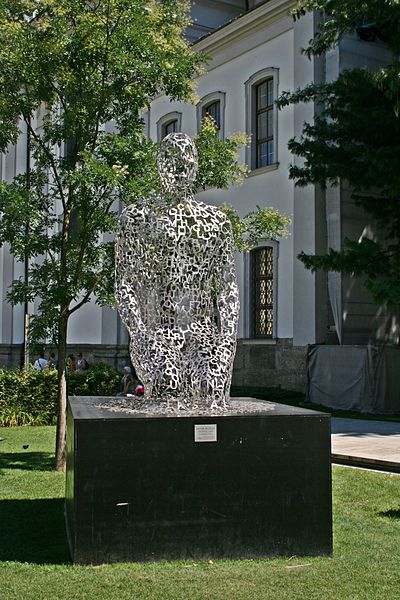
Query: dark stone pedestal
[141,487]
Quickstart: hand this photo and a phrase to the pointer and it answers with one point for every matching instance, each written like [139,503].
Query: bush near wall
[99,380]
[29,397]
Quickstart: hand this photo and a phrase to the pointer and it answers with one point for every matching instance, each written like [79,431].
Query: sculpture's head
[177,164]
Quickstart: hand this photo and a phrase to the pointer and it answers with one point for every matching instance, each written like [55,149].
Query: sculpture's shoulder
[137,215]
[214,213]
[132,213]
[220,221]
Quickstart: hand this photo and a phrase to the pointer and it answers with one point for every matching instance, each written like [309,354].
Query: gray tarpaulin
[362,378]
[334,232]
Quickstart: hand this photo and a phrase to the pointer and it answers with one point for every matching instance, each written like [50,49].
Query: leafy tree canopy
[355,137]
[76,76]
[68,68]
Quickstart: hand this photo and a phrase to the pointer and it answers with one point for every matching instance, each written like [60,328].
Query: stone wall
[115,356]
[11,355]
[270,364]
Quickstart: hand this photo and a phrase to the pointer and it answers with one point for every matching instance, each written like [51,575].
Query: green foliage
[218,163]
[218,159]
[380,267]
[343,16]
[29,397]
[99,380]
[76,77]
[345,141]
[355,137]
[68,67]
[262,223]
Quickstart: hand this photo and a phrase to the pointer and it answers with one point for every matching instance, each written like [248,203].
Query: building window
[214,110]
[264,123]
[262,292]
[170,127]
[261,119]
[214,105]
[170,123]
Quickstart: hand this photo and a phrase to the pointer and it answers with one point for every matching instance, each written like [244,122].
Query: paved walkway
[374,444]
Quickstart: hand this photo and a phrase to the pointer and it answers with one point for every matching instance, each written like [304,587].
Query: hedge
[29,397]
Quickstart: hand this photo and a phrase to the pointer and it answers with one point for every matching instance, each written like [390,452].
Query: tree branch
[50,156]
[59,95]
[103,77]
[86,297]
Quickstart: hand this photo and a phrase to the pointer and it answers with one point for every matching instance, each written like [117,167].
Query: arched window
[214,105]
[262,292]
[262,119]
[169,123]
[170,127]
[264,123]
[214,110]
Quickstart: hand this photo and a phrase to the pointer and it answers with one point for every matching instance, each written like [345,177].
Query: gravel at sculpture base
[176,288]
[133,406]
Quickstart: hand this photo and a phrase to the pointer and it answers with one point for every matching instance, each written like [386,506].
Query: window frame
[165,120]
[251,87]
[207,101]
[249,303]
[260,111]
[166,127]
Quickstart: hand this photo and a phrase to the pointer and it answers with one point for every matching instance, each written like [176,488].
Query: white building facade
[252,59]
[254,55]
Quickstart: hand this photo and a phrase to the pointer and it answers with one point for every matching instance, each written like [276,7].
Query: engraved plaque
[205,433]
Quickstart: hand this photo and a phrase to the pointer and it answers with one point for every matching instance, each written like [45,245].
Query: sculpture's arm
[128,274]
[227,291]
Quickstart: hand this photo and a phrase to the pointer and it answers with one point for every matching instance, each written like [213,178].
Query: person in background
[128,383]
[71,364]
[52,362]
[139,389]
[81,362]
[40,363]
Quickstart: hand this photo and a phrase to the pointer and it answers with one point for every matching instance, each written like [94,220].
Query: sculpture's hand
[226,286]
[129,272]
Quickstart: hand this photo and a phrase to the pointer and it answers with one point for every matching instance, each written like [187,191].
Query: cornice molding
[254,19]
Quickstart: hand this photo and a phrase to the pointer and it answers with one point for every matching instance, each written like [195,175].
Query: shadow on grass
[28,461]
[392,514]
[33,531]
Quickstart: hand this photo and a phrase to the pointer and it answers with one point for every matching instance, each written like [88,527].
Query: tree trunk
[61,397]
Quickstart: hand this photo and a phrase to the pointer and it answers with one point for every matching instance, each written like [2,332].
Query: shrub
[29,397]
[99,380]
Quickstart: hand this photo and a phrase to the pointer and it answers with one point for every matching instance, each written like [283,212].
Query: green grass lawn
[34,560]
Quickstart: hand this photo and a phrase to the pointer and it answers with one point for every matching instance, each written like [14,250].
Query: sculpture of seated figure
[176,288]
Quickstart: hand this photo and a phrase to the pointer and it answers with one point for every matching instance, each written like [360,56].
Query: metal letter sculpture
[176,288]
